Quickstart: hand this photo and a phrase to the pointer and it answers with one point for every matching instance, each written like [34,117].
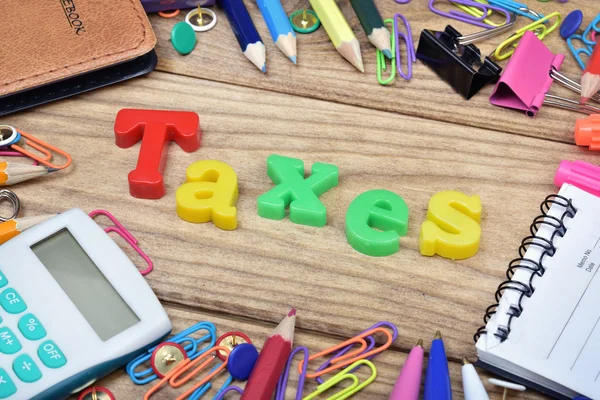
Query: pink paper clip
[15,154]
[579,173]
[526,81]
[126,235]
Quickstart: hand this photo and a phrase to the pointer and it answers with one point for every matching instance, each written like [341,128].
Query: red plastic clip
[155,129]
[587,132]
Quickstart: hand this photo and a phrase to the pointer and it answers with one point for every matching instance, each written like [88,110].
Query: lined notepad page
[556,340]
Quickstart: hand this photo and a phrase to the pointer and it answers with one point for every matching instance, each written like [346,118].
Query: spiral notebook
[544,330]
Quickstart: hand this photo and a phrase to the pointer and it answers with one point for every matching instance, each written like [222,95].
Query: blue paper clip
[201,391]
[587,37]
[517,8]
[190,345]
[586,49]
[369,347]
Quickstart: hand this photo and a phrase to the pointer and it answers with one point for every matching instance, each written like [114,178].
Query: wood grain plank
[322,73]
[266,266]
[388,364]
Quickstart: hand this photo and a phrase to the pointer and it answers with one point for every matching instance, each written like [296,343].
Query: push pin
[201,19]
[506,386]
[305,21]
[166,357]
[96,393]
[230,340]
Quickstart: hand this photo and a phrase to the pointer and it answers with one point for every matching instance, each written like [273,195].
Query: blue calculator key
[26,370]
[12,302]
[51,355]
[7,386]
[9,344]
[3,282]
[31,327]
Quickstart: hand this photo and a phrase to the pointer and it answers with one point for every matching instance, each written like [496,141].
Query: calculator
[73,308]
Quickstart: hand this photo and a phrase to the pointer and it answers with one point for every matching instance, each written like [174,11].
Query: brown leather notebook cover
[50,41]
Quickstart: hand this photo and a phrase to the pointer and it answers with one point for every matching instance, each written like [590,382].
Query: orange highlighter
[12,228]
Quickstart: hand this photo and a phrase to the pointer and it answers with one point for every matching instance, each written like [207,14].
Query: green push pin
[305,21]
[375,220]
[293,191]
[183,38]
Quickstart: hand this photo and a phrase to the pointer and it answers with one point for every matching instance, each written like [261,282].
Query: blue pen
[280,27]
[245,32]
[437,378]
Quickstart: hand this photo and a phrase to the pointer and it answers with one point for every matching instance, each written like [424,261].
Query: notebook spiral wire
[535,266]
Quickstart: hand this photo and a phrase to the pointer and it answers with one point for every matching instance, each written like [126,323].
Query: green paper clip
[381,64]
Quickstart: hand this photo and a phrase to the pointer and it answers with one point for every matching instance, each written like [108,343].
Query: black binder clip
[455,62]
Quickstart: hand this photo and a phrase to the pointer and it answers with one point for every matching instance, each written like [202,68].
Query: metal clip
[565,81]
[9,195]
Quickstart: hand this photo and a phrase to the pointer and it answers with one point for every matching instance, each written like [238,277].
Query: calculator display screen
[84,284]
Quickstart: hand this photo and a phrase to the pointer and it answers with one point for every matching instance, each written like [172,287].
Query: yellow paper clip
[477,13]
[354,388]
[539,27]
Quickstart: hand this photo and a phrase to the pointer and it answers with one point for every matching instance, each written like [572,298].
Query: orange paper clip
[208,357]
[44,148]
[352,356]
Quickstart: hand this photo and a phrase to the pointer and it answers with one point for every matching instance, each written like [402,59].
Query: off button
[51,355]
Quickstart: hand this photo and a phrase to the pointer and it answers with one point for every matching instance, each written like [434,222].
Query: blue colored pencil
[245,32]
[437,378]
[280,27]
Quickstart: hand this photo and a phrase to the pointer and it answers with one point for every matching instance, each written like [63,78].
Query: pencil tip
[293,59]
[466,361]
[292,312]
[420,343]
[52,169]
[264,69]
[387,53]
[583,99]
[438,335]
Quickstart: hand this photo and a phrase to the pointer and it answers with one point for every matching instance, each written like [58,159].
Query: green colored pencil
[372,23]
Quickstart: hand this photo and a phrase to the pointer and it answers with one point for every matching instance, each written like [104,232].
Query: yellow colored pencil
[11,173]
[12,228]
[339,31]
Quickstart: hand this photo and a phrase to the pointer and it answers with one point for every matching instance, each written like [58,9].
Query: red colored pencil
[590,80]
[271,360]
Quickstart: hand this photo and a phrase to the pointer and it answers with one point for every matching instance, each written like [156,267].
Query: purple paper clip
[467,18]
[127,236]
[282,383]
[525,83]
[222,393]
[369,347]
[410,47]
[402,1]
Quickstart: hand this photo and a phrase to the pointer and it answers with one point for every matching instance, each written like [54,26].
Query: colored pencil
[271,360]
[279,26]
[472,385]
[11,173]
[339,31]
[408,385]
[245,32]
[12,228]
[590,80]
[372,23]
[437,377]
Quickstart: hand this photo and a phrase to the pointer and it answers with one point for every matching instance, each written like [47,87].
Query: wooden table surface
[413,138]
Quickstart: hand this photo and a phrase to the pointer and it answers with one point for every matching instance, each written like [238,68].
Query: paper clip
[517,8]
[343,360]
[282,383]
[15,154]
[44,148]
[538,27]
[345,374]
[589,32]
[381,64]
[577,52]
[222,394]
[370,346]
[184,337]
[127,236]
[9,195]
[476,12]
[469,16]
[411,57]
[175,382]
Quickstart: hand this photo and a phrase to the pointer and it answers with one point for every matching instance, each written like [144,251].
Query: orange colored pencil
[590,80]
[271,360]
[11,173]
[12,228]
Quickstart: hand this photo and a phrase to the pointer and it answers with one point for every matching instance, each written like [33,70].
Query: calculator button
[26,370]
[9,344]
[31,327]
[51,355]
[12,302]
[3,282]
[7,386]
